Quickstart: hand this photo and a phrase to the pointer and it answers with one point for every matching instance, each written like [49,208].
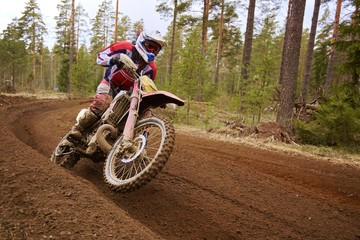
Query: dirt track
[208,190]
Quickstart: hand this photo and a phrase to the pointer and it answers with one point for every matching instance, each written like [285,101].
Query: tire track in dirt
[39,200]
[237,203]
[212,190]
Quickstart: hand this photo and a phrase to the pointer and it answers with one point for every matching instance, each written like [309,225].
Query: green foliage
[11,45]
[63,27]
[83,78]
[62,45]
[349,43]
[124,29]
[63,76]
[193,71]
[32,29]
[231,39]
[167,7]
[186,70]
[103,25]
[32,26]
[320,58]
[264,70]
[337,122]
[303,53]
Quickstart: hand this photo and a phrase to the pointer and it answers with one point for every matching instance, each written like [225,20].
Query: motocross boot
[85,121]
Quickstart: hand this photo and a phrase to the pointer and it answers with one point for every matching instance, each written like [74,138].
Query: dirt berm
[209,189]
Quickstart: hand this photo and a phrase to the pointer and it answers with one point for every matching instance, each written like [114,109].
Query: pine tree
[231,42]
[310,51]
[349,43]
[290,63]
[116,21]
[83,73]
[163,59]
[137,28]
[124,29]
[302,61]
[329,71]
[231,50]
[81,27]
[186,70]
[320,58]
[63,27]
[178,7]
[47,70]
[72,39]
[205,20]
[264,70]
[11,45]
[248,39]
[62,45]
[219,42]
[103,26]
[33,29]
[336,122]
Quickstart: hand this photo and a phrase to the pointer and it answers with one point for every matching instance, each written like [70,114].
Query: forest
[307,81]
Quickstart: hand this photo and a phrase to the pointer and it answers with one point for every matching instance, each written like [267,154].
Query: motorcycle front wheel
[131,165]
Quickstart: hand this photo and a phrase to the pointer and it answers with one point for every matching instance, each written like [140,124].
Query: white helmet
[149,45]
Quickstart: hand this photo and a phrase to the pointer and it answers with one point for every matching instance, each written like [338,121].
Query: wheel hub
[131,150]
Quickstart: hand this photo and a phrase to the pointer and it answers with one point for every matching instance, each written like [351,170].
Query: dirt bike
[134,143]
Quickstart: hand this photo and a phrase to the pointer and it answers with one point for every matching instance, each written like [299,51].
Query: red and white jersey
[121,78]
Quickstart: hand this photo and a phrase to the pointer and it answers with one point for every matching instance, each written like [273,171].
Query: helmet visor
[152,47]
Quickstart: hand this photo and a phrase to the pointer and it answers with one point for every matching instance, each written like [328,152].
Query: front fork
[128,149]
[133,113]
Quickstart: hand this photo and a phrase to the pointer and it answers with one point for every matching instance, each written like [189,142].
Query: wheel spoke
[125,170]
[154,138]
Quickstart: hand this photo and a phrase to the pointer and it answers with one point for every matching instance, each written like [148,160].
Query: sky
[135,9]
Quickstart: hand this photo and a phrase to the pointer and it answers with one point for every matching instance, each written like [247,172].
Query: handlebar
[129,64]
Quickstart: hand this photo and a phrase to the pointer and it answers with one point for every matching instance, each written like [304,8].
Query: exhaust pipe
[103,144]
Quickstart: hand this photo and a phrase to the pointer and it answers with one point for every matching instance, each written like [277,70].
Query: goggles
[152,47]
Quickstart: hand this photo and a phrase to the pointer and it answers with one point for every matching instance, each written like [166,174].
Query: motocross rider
[116,78]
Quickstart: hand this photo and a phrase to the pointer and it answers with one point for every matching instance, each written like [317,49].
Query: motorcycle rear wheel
[153,144]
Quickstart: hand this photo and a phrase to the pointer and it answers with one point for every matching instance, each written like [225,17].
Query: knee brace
[102,99]
[100,103]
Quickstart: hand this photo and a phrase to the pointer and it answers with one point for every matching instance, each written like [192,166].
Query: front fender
[159,98]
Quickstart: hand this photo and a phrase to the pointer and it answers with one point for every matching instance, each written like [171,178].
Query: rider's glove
[114,61]
[123,60]
[127,62]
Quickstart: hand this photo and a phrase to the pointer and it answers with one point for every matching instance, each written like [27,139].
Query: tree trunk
[218,52]
[203,48]
[329,70]
[248,39]
[172,41]
[205,25]
[78,19]
[41,77]
[310,50]
[290,63]
[72,38]
[13,76]
[34,82]
[284,47]
[116,20]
